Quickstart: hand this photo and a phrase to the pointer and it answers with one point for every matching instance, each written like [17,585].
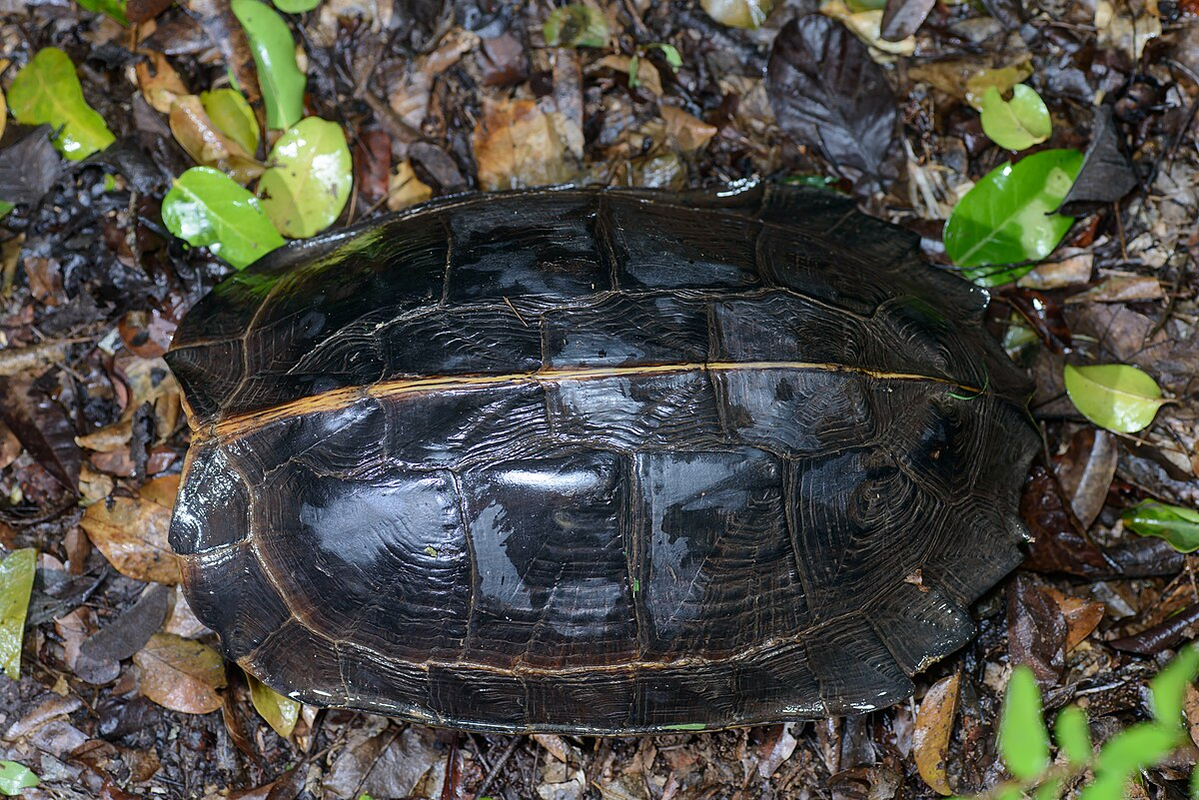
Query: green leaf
[1117,397]
[229,111]
[1178,526]
[1072,733]
[296,6]
[634,66]
[16,585]
[5,208]
[14,777]
[575,25]
[279,712]
[738,13]
[1194,784]
[1007,217]
[1016,124]
[113,8]
[1023,739]
[858,6]
[207,208]
[274,53]
[671,53]
[1049,790]
[1136,748]
[308,185]
[1105,787]
[48,91]
[1169,686]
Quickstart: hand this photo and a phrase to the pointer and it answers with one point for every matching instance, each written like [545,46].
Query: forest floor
[440,97]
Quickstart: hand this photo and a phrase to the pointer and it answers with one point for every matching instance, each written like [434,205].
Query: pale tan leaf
[934,725]
[159,82]
[690,133]
[132,532]
[405,189]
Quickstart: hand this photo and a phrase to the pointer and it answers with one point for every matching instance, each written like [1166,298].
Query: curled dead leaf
[131,532]
[516,145]
[159,82]
[205,143]
[181,674]
[934,725]
[688,132]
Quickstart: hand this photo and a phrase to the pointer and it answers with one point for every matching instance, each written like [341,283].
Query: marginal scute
[598,462]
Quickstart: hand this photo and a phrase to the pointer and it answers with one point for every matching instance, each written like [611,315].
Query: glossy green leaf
[1177,525]
[16,585]
[308,184]
[296,6]
[5,208]
[14,777]
[229,111]
[738,13]
[206,208]
[1016,124]
[48,91]
[1169,686]
[1023,739]
[113,8]
[575,25]
[1007,217]
[673,58]
[280,712]
[1072,733]
[1114,396]
[274,53]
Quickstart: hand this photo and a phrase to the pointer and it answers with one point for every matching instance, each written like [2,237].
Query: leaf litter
[457,96]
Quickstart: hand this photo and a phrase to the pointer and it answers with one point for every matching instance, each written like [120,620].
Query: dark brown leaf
[138,11]
[1036,630]
[43,428]
[125,635]
[902,18]
[828,93]
[1162,637]
[372,165]
[1059,544]
[1085,471]
[29,166]
[502,61]
[1106,174]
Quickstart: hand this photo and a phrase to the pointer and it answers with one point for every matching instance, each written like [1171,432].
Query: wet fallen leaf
[216,23]
[29,166]
[775,750]
[15,777]
[1015,124]
[1036,630]
[181,674]
[738,13]
[934,726]
[405,189]
[1073,268]
[827,93]
[16,585]
[307,185]
[74,628]
[274,52]
[131,532]
[128,633]
[382,762]
[866,24]
[1082,616]
[159,82]
[1122,289]
[1106,174]
[280,712]
[1117,397]
[1085,471]
[232,114]
[48,91]
[207,208]
[206,144]
[182,621]
[43,428]
[372,165]
[902,18]
[688,132]
[1177,525]
[516,145]
[146,333]
[503,61]
[10,446]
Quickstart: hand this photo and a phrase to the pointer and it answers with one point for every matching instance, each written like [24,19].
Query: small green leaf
[1049,790]
[5,208]
[1023,739]
[1007,217]
[671,53]
[16,585]
[575,25]
[229,111]
[296,6]
[1073,735]
[685,726]
[48,91]
[634,66]
[1178,526]
[280,712]
[858,6]
[1016,124]
[1169,686]
[738,13]
[207,208]
[113,8]
[14,777]
[274,53]
[1194,783]
[1117,397]
[309,182]
[1105,787]
[1136,748]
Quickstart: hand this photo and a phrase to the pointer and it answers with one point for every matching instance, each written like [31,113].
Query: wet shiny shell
[598,461]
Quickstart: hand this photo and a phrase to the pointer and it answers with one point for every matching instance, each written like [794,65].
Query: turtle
[598,461]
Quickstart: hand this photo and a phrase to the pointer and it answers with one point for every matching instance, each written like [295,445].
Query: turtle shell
[598,461]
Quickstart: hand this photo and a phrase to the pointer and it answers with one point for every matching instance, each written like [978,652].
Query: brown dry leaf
[205,143]
[411,101]
[405,189]
[1082,616]
[647,74]
[517,145]
[1072,269]
[1190,709]
[10,446]
[159,82]
[132,532]
[94,486]
[934,725]
[690,133]
[1122,289]
[108,439]
[181,674]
